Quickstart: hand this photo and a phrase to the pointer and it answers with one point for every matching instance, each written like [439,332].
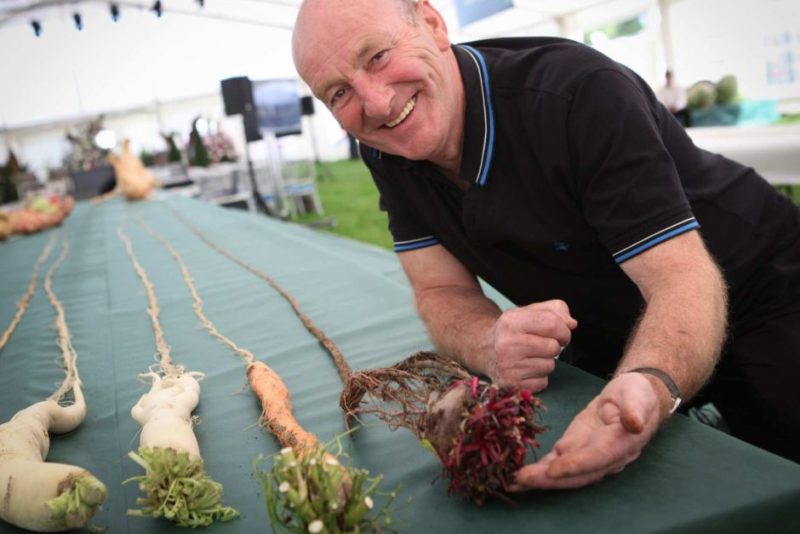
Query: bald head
[311,20]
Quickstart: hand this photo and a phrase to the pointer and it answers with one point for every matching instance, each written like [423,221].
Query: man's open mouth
[403,114]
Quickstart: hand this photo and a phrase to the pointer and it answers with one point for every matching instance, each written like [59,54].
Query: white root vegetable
[165,413]
[175,484]
[38,495]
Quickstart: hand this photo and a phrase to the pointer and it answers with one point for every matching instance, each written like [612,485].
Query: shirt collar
[479,126]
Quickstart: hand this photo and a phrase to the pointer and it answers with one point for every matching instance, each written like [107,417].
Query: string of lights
[159,8]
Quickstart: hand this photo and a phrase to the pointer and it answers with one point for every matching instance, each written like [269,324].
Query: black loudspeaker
[94,182]
[251,130]
[237,93]
[307,105]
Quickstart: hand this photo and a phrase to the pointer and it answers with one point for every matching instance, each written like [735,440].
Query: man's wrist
[675,394]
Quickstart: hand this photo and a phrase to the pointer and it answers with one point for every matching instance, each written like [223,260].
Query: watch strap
[674,392]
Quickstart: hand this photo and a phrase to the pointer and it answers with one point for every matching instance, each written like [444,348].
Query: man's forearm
[460,321]
[517,346]
[682,329]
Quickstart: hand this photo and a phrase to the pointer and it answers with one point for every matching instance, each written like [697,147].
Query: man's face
[387,79]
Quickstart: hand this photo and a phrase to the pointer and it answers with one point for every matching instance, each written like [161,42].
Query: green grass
[791,191]
[350,200]
[789,118]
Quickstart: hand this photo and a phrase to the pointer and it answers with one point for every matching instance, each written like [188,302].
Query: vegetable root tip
[94,493]
[79,501]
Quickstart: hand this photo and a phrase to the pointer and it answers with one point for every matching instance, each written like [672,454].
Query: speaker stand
[260,204]
[315,151]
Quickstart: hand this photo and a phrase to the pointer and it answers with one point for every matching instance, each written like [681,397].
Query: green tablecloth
[690,479]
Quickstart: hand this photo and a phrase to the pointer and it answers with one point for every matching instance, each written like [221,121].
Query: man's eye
[336,96]
[379,56]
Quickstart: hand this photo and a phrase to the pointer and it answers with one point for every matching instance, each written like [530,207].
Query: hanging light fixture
[78,21]
[201,3]
[114,10]
[37,27]
[157,8]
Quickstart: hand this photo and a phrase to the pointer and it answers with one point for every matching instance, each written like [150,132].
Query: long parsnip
[175,483]
[35,494]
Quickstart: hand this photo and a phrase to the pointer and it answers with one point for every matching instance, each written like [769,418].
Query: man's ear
[435,22]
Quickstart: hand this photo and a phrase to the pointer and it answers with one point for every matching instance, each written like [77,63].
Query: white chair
[222,185]
[288,192]
[300,187]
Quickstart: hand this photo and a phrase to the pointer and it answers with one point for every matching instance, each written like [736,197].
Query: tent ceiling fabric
[273,12]
[109,66]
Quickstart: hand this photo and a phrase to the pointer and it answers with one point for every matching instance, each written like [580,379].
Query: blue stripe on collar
[488,111]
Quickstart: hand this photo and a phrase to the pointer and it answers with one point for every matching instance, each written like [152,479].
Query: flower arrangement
[85,154]
[209,146]
[220,147]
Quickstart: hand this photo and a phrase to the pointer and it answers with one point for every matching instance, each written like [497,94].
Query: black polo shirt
[573,168]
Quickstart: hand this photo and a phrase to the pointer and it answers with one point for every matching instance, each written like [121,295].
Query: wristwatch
[674,392]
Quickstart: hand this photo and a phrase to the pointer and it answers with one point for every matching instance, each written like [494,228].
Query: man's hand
[525,342]
[606,436]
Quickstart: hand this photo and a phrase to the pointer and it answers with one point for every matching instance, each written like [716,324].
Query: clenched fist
[525,342]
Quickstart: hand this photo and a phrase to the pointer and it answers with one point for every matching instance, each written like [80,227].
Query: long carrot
[277,407]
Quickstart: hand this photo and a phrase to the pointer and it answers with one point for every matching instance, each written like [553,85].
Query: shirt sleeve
[628,186]
[409,231]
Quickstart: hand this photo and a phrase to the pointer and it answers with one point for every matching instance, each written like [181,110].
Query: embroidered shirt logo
[561,246]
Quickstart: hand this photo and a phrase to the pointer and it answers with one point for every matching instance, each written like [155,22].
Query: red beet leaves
[480,432]
[497,428]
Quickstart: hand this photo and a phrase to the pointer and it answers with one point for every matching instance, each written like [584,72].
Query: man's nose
[376,98]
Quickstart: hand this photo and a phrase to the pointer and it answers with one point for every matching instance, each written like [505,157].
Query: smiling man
[554,174]
[411,109]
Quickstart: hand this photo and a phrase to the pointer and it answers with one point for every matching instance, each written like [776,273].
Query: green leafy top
[314,493]
[178,488]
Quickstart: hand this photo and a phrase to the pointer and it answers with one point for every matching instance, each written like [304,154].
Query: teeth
[403,114]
